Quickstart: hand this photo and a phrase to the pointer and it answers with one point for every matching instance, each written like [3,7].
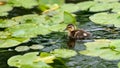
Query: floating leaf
[69,8]
[103,48]
[58,27]
[4,9]
[26,61]
[48,59]
[100,7]
[119,65]
[4,34]
[28,30]
[23,3]
[31,18]
[34,47]
[106,19]
[63,53]
[22,48]
[86,5]
[107,0]
[14,61]
[10,42]
[45,2]
[7,23]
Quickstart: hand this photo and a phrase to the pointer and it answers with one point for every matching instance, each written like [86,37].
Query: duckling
[77,34]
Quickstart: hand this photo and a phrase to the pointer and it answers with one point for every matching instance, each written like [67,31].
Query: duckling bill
[76,34]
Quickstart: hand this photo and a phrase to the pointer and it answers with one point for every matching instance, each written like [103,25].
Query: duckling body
[76,33]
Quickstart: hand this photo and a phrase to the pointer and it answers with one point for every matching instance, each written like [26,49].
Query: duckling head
[70,27]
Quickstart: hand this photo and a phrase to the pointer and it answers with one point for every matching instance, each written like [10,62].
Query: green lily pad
[27,61]
[106,0]
[86,5]
[106,19]
[4,9]
[103,48]
[63,53]
[35,47]
[23,3]
[58,27]
[7,23]
[119,65]
[28,30]
[4,34]
[69,8]
[31,18]
[14,61]
[100,7]
[48,59]
[10,42]
[44,2]
[22,48]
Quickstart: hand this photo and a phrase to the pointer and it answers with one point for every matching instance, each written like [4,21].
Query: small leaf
[63,53]
[22,48]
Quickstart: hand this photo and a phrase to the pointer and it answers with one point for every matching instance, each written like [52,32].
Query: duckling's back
[79,34]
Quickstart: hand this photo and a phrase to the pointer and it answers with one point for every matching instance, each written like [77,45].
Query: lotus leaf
[45,5]
[4,34]
[106,19]
[119,65]
[22,48]
[58,27]
[106,0]
[28,30]
[106,49]
[35,47]
[44,2]
[63,53]
[10,42]
[26,61]
[48,59]
[86,5]
[4,9]
[15,61]
[100,7]
[69,8]
[23,3]
[31,18]
[7,23]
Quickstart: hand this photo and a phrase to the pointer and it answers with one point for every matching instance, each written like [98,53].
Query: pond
[48,42]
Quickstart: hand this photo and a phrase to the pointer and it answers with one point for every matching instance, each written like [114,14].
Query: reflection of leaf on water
[103,48]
